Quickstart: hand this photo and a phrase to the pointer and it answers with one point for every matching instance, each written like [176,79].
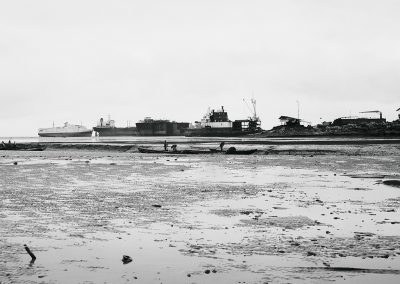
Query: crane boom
[252,111]
[373,111]
[247,105]
[253,102]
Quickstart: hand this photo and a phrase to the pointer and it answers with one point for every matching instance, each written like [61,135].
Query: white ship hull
[68,130]
[67,134]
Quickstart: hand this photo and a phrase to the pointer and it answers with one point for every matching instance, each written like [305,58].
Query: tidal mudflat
[283,216]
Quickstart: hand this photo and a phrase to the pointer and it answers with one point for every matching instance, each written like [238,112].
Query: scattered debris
[392,182]
[126,259]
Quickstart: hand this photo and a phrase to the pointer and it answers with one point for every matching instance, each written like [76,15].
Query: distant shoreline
[263,146]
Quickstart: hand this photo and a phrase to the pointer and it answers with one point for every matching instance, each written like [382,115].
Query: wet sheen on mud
[198,219]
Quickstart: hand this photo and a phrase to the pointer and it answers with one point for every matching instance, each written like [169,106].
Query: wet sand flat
[288,215]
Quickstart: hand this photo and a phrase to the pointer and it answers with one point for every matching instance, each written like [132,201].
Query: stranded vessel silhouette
[160,127]
[108,128]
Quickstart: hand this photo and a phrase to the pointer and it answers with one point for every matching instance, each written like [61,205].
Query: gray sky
[78,61]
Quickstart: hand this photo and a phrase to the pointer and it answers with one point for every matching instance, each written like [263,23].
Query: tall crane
[252,110]
[373,111]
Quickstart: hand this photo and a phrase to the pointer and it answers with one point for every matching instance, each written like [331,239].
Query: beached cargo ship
[160,127]
[217,124]
[108,128]
[360,120]
[68,130]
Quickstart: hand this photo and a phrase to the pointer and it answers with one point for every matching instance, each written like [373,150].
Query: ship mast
[253,102]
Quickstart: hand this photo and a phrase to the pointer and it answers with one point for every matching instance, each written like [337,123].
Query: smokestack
[222,108]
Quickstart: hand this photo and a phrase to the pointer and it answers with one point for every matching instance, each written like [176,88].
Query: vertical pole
[298,109]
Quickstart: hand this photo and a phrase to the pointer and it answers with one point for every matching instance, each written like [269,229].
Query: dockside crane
[253,110]
[373,111]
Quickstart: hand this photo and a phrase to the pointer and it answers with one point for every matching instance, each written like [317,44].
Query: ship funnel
[222,107]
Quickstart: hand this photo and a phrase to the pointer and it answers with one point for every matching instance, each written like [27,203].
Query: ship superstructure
[68,130]
[216,123]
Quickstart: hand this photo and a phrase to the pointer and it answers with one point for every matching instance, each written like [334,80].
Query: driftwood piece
[29,252]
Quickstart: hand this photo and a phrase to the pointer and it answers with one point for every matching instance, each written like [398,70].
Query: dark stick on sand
[29,252]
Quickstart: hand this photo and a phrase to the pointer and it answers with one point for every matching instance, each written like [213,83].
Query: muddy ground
[303,214]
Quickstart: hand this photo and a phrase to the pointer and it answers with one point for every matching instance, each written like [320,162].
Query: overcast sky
[81,60]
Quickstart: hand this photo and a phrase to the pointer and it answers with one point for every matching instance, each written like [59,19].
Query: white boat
[68,130]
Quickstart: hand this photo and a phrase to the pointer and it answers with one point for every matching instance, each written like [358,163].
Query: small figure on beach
[173,147]
[165,145]
[3,144]
[221,145]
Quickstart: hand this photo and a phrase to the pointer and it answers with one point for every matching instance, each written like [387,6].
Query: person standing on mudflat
[222,145]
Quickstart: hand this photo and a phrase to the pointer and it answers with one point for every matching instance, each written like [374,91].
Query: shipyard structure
[216,123]
[342,126]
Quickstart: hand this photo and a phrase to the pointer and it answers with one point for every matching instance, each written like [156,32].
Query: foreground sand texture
[284,216]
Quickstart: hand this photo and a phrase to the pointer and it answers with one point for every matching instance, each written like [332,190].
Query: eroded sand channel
[253,219]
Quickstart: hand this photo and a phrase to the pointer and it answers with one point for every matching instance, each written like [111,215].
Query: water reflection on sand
[253,219]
